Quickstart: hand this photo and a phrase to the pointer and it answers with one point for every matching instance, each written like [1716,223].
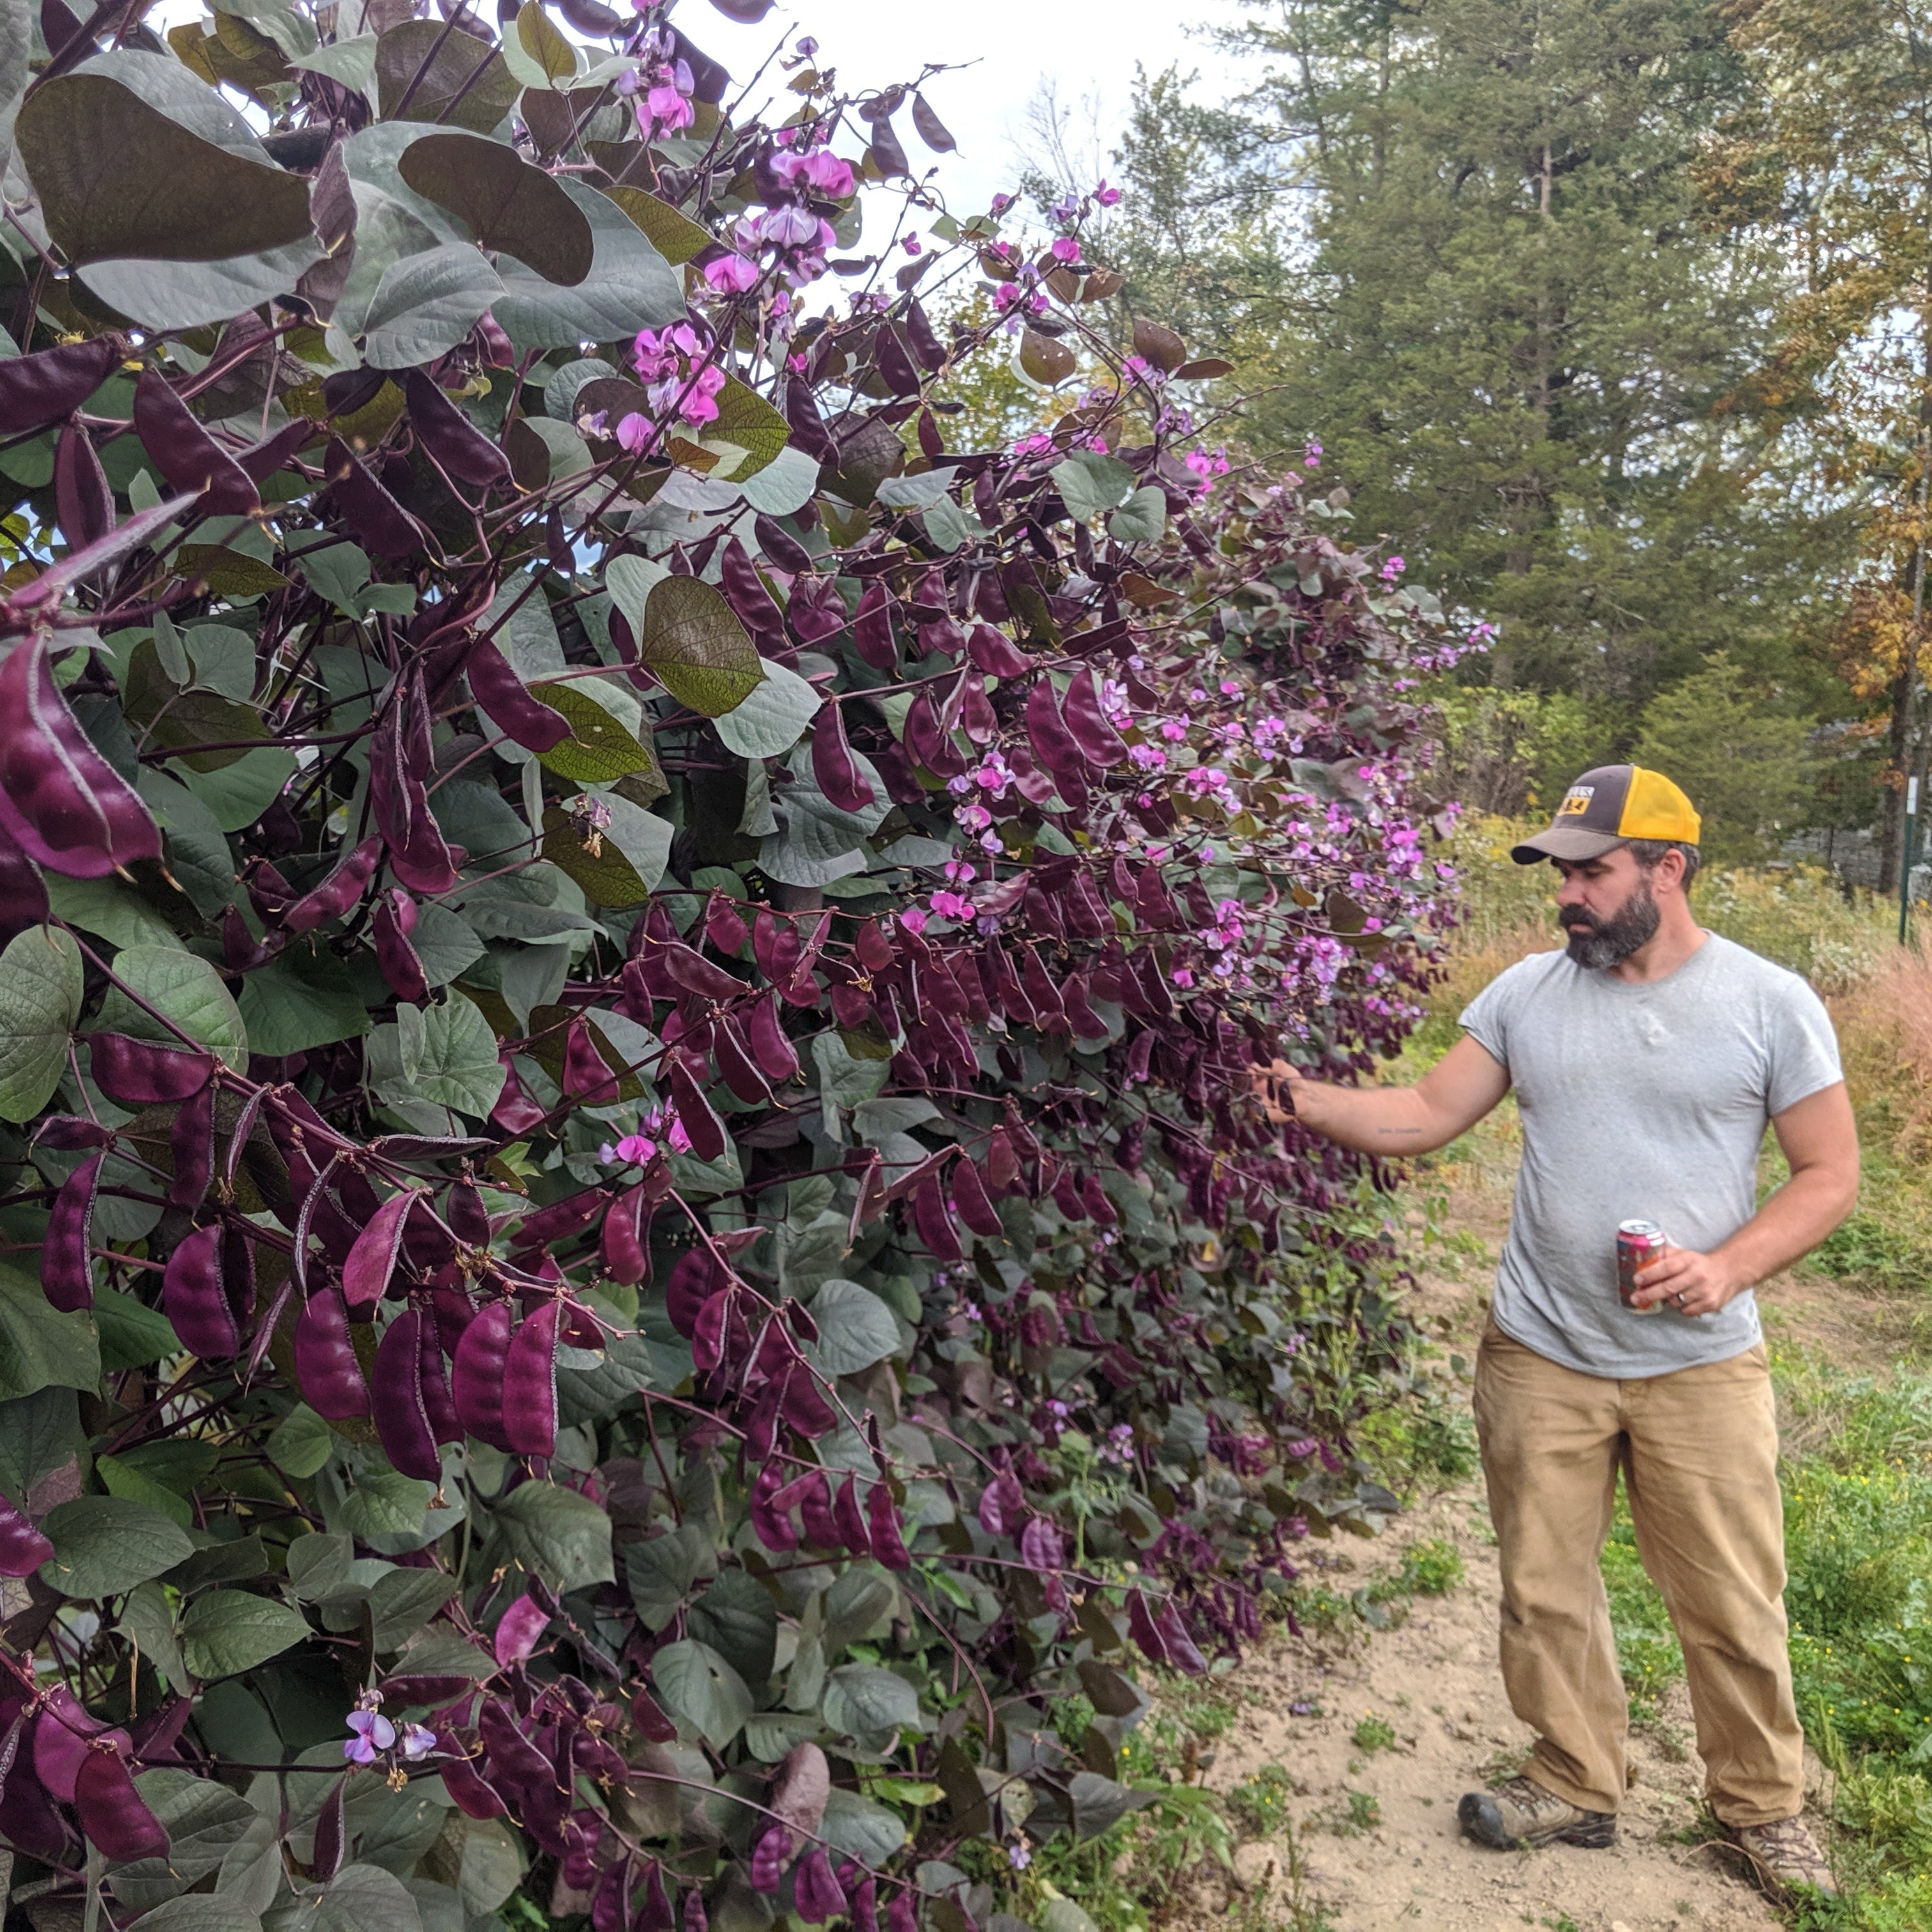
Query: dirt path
[1374,1843]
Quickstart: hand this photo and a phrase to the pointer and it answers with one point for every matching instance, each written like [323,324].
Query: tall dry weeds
[1884,1030]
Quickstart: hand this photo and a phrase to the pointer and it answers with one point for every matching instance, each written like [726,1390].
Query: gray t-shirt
[1640,1102]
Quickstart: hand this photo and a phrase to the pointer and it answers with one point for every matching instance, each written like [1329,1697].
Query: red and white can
[1639,1244]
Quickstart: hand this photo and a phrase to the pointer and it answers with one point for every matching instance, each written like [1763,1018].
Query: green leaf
[856,1328]
[103,1545]
[190,294]
[673,234]
[788,483]
[844,1079]
[860,1600]
[491,1866]
[118,176]
[460,1068]
[318,1567]
[132,1334]
[145,1617]
[39,1347]
[862,1700]
[135,1486]
[444,942]
[543,44]
[437,70]
[660,1571]
[746,419]
[202,1913]
[302,1000]
[352,61]
[110,909]
[510,207]
[37,1434]
[1089,484]
[557,1534]
[426,303]
[401,1601]
[697,1685]
[861,1829]
[41,987]
[773,717]
[1143,519]
[699,651]
[185,987]
[301,1443]
[384,1502]
[630,285]
[239,792]
[598,748]
[359,1898]
[203,1820]
[229,1631]
[737,1618]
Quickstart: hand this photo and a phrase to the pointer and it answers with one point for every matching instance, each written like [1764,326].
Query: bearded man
[1647,1057]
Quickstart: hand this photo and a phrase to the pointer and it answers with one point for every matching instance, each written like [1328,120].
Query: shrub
[628,995]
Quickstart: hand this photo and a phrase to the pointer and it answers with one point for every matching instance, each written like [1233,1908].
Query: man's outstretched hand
[1274,1087]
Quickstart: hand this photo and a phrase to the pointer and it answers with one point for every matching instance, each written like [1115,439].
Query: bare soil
[1373,1842]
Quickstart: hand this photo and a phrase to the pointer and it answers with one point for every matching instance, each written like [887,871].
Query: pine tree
[1511,323]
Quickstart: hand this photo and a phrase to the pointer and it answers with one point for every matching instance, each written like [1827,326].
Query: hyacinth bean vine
[628,990]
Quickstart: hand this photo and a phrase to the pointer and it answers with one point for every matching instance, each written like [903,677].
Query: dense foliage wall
[628,993]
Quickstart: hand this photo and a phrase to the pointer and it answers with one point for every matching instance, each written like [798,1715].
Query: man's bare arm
[1820,1141]
[1449,1100]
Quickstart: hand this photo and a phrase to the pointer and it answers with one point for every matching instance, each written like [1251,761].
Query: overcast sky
[1004,49]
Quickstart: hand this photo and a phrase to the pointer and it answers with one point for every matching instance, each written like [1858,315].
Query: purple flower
[1066,248]
[419,1741]
[788,227]
[1106,196]
[374,1733]
[1018,1857]
[731,275]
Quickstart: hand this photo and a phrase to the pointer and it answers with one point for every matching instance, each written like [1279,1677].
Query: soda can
[1639,1244]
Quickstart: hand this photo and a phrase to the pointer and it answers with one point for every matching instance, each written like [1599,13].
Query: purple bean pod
[610,1903]
[882,1519]
[1089,726]
[371,1264]
[191,1141]
[331,1834]
[769,1044]
[23,1548]
[625,1243]
[770,1522]
[112,1816]
[972,1203]
[768,1858]
[62,803]
[933,1220]
[67,1266]
[144,1073]
[376,520]
[23,891]
[817,1894]
[902,1915]
[529,1384]
[469,1791]
[187,456]
[438,1403]
[850,1517]
[833,764]
[505,700]
[327,1370]
[735,1063]
[37,391]
[195,1300]
[700,1119]
[586,1077]
[652,1912]
[460,449]
[402,1419]
[724,927]
[477,1384]
[339,891]
[62,1730]
[83,498]
[697,1276]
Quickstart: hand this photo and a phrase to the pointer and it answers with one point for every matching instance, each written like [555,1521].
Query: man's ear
[1668,872]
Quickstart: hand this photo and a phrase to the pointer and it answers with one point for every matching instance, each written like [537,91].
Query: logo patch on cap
[1576,801]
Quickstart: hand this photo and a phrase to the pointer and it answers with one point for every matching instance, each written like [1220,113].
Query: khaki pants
[1699,1452]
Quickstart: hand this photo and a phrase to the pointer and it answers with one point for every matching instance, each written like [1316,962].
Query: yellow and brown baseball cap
[1608,807]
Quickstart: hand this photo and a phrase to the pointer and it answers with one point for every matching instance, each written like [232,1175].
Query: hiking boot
[1521,1813]
[1786,1857]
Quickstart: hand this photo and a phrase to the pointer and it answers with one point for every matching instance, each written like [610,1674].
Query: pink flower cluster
[681,380]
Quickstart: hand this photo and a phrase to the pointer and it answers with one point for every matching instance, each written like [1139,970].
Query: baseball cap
[1607,807]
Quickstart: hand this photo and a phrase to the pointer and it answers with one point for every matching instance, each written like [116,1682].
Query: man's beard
[1602,943]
